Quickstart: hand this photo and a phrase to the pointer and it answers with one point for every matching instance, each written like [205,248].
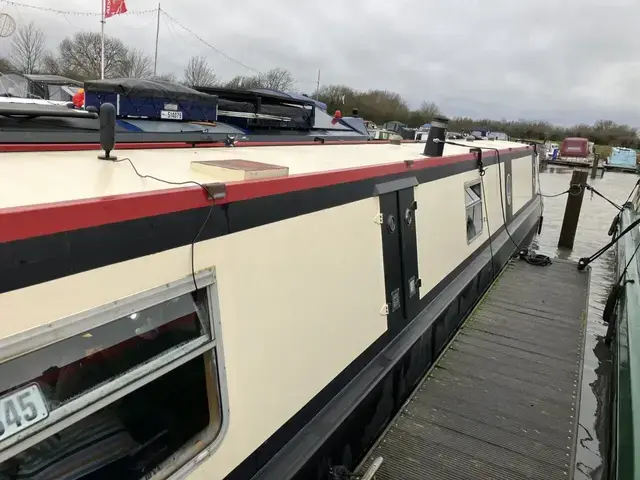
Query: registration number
[21,409]
[168,115]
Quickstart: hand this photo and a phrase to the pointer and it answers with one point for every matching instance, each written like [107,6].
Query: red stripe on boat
[19,223]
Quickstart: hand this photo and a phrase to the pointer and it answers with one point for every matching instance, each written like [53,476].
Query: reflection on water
[595,219]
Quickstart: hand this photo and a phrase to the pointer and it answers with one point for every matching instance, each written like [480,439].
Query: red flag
[114,7]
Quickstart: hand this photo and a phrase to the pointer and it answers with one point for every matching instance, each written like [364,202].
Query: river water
[595,219]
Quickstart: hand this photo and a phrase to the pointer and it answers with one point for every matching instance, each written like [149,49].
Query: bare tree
[166,77]
[81,55]
[199,73]
[5,65]
[28,48]
[136,65]
[277,79]
[244,82]
[50,64]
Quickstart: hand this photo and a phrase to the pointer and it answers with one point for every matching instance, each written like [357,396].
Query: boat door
[400,254]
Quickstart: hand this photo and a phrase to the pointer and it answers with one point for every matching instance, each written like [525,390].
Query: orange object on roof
[78,98]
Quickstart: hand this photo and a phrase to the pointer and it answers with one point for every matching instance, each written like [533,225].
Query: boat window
[61,93]
[120,399]
[473,208]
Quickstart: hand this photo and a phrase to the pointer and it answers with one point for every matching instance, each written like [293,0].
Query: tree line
[381,106]
[78,57]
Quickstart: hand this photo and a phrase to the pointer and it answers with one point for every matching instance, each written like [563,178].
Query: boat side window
[473,208]
[125,391]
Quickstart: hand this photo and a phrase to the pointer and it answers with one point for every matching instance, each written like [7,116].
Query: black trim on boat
[381,378]
[41,259]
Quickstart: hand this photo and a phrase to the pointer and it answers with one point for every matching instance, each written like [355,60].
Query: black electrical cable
[479,148]
[187,182]
[504,215]
[482,172]
[536,259]
[537,169]
[524,254]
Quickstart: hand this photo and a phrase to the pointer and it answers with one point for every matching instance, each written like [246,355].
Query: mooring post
[594,167]
[572,210]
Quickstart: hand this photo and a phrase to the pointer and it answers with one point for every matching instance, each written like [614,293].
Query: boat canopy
[294,96]
[136,87]
[574,147]
[623,157]
[46,87]
[158,111]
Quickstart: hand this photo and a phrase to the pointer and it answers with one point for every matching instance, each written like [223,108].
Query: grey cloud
[566,61]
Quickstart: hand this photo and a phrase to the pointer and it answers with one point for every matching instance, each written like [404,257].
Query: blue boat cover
[623,157]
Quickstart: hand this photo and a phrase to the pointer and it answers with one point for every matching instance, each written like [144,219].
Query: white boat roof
[42,177]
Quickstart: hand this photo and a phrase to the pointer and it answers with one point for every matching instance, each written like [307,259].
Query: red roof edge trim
[78,147]
[23,222]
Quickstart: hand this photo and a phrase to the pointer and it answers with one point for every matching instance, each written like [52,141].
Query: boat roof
[32,176]
[148,89]
[52,79]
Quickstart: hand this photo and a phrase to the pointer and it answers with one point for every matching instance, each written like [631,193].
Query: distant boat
[576,149]
[623,159]
[45,87]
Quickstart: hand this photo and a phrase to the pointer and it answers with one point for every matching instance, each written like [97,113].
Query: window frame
[208,346]
[468,185]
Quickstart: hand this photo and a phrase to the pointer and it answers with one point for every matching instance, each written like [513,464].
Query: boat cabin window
[61,93]
[134,390]
[473,207]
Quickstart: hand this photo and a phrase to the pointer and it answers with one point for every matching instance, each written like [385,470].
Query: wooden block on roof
[236,169]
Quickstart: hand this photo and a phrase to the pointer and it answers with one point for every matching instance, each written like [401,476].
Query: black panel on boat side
[409,255]
[400,257]
[392,258]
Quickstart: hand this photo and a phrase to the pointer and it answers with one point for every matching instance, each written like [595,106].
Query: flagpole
[155,61]
[102,42]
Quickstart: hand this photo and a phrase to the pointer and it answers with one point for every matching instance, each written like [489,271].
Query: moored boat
[234,310]
[622,311]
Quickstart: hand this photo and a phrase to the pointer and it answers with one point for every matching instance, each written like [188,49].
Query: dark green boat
[625,337]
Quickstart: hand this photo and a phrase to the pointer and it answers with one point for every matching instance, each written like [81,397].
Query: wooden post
[594,167]
[572,210]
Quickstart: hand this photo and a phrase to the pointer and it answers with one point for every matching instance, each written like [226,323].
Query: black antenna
[107,130]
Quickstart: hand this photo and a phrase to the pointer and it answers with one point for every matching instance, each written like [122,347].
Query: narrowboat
[253,300]
[624,335]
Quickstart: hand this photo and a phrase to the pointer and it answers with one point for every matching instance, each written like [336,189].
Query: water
[595,219]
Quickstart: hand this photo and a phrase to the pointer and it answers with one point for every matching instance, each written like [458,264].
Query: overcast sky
[566,61]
